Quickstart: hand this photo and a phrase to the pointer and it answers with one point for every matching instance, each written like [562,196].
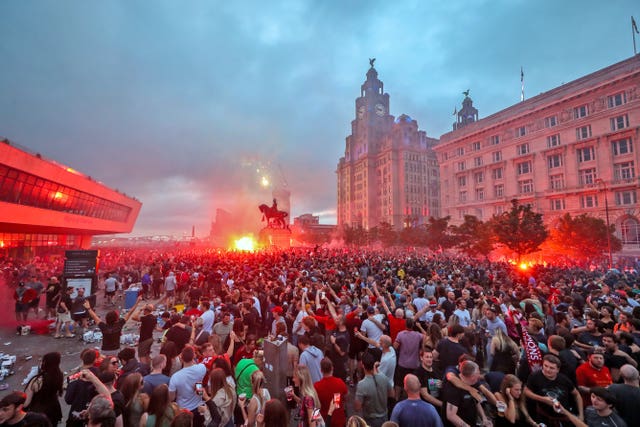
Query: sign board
[80,283]
[80,263]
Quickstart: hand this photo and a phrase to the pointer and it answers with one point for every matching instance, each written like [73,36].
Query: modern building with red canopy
[46,205]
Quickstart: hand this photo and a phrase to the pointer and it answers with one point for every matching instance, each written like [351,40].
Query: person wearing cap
[592,374]
[277,318]
[12,412]
[22,308]
[148,323]
[372,328]
[433,310]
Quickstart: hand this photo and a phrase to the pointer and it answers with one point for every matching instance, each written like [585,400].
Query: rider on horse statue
[274,217]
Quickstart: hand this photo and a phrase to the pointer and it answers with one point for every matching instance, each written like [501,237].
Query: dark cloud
[177,102]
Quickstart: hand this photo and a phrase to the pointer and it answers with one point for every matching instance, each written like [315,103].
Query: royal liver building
[389,171]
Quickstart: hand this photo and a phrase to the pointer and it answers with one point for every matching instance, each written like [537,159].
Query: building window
[479,194]
[619,122]
[475,146]
[523,168]
[553,140]
[557,204]
[586,154]
[616,100]
[624,198]
[550,121]
[624,171]
[498,190]
[525,187]
[587,176]
[581,111]
[462,181]
[589,201]
[630,231]
[462,196]
[621,147]
[460,151]
[522,149]
[478,177]
[499,210]
[583,132]
[495,140]
[496,156]
[556,182]
[477,161]
[461,166]
[496,173]
[554,161]
[521,131]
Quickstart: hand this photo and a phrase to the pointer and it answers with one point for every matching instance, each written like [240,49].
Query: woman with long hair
[222,400]
[308,400]
[504,352]
[434,335]
[512,409]
[256,404]
[275,414]
[45,388]
[135,402]
[174,364]
[161,410]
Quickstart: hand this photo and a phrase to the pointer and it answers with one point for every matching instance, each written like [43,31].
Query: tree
[384,233]
[438,233]
[473,237]
[519,229]
[582,238]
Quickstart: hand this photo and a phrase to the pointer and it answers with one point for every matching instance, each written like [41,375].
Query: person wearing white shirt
[463,314]
[207,316]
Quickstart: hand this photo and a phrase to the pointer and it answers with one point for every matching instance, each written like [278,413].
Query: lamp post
[606,212]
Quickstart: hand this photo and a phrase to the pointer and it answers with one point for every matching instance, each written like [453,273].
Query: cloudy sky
[178,103]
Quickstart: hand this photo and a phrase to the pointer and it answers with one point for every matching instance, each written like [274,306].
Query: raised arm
[134,310]
[92,313]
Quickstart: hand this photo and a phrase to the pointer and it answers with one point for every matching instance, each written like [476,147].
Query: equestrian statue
[274,217]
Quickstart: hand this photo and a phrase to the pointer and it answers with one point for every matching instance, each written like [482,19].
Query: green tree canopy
[438,235]
[519,229]
[473,237]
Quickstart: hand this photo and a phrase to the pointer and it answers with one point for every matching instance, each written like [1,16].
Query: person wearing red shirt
[326,389]
[592,374]
[397,322]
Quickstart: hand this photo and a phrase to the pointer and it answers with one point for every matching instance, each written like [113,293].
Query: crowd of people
[373,338]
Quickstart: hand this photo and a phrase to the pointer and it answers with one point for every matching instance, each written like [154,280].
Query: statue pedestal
[275,238]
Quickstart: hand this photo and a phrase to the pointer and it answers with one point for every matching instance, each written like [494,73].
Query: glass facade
[9,240]
[23,188]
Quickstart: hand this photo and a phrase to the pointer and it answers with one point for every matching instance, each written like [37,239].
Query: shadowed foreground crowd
[373,338]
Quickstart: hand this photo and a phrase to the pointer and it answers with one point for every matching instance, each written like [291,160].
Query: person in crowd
[63,311]
[79,393]
[170,287]
[156,377]
[430,379]
[111,327]
[79,313]
[220,399]
[511,405]
[130,365]
[207,316]
[44,389]
[135,401]
[148,324]
[275,414]
[328,389]
[461,409]
[548,388]
[101,413]
[600,414]
[180,331]
[408,344]
[627,395]
[592,374]
[449,349]
[224,327]
[569,358]
[243,372]
[53,294]
[170,351]
[111,285]
[308,400]
[413,411]
[504,352]
[614,357]
[182,385]
[259,396]
[161,410]
[310,356]
[12,412]
[372,393]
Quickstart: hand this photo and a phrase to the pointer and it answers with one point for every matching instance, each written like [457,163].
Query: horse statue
[274,217]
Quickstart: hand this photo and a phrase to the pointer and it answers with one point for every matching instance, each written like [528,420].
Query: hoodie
[311,358]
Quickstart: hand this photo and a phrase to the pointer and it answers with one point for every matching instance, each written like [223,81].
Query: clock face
[380,110]
[361,112]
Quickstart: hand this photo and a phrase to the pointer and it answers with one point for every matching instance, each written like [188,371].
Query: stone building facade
[572,149]
[389,171]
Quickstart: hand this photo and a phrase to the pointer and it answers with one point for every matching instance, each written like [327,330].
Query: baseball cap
[277,309]
[371,310]
[433,304]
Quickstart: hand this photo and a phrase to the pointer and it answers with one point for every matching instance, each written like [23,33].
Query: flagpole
[521,84]
[634,30]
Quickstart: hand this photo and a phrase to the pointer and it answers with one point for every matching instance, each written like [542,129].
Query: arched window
[630,231]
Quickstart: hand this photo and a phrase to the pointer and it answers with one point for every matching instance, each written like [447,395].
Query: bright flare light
[245,243]
[264,181]
[523,266]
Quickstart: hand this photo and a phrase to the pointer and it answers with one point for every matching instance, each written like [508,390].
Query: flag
[634,26]
[521,84]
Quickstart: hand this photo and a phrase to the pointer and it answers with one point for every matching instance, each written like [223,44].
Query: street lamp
[606,212]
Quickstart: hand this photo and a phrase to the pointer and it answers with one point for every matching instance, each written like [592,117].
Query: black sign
[81,254]
[80,263]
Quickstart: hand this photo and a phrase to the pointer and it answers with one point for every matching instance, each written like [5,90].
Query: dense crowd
[373,339]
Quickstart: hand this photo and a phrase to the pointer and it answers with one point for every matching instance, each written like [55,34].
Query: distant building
[389,171]
[307,228]
[565,150]
[45,205]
